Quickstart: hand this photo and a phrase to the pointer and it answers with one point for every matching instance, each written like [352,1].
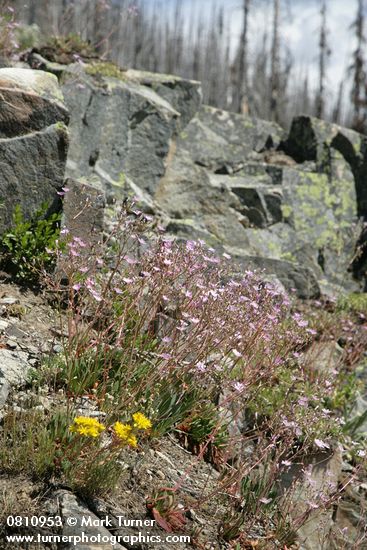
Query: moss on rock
[105,69]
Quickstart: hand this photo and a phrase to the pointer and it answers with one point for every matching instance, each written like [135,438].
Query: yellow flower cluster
[141,422]
[89,427]
[125,432]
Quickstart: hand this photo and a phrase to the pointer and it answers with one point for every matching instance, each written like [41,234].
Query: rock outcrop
[33,142]
[286,203]
[289,204]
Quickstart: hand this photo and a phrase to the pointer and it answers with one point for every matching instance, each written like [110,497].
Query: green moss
[105,68]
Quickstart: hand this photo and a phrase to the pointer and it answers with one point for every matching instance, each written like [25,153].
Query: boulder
[322,210]
[292,276]
[14,366]
[31,171]
[314,139]
[33,142]
[316,479]
[310,138]
[185,96]
[260,199]
[185,193]
[349,528]
[30,101]
[119,128]
[236,181]
[323,358]
[223,141]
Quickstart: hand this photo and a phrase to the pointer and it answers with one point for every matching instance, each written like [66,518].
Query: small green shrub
[28,36]
[27,248]
[67,49]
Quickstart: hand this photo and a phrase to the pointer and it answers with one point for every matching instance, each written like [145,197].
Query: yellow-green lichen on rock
[105,69]
[318,208]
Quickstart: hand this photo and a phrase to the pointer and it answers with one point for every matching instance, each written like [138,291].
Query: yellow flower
[132,441]
[123,431]
[86,426]
[141,422]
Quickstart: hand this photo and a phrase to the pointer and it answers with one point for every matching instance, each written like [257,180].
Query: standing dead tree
[275,64]
[198,43]
[359,89]
[324,53]
[240,84]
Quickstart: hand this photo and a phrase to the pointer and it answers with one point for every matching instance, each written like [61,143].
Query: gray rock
[119,126]
[33,142]
[8,301]
[185,96]
[15,332]
[357,417]
[314,139]
[72,507]
[256,197]
[14,367]
[185,193]
[309,139]
[281,213]
[228,178]
[4,392]
[323,358]
[11,343]
[32,170]
[324,472]
[3,325]
[322,212]
[222,141]
[292,276]
[349,529]
[83,211]
[31,101]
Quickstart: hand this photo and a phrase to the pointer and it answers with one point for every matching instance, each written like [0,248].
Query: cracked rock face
[288,204]
[119,130]
[33,142]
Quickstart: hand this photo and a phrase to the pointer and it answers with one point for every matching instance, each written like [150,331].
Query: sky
[300,24]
